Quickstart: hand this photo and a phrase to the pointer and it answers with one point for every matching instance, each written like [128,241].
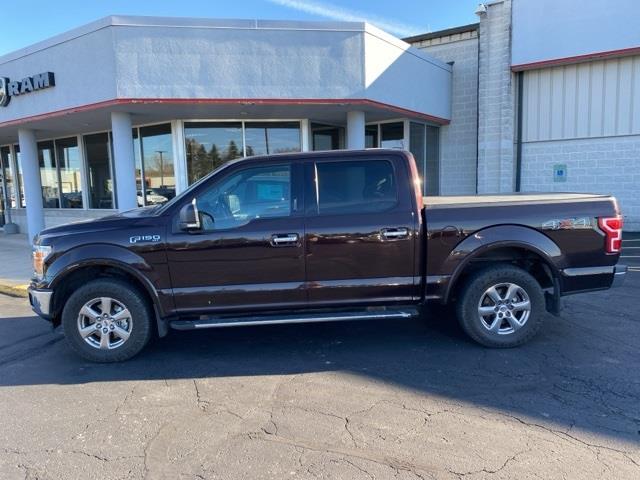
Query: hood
[110,222]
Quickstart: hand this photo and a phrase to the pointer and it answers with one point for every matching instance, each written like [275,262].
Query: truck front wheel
[107,320]
[501,306]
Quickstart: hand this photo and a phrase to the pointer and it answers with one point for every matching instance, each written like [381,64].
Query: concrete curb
[13,289]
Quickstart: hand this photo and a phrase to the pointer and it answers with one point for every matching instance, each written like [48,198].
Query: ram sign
[9,88]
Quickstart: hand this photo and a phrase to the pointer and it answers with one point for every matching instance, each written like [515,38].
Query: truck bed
[507,199]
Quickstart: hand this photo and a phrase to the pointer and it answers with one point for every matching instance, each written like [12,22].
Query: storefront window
[19,174]
[371,136]
[327,137]
[138,161]
[392,135]
[98,151]
[424,144]
[432,168]
[48,175]
[70,166]
[7,199]
[417,146]
[157,165]
[264,138]
[210,145]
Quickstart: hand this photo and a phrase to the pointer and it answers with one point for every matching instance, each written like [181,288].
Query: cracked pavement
[380,400]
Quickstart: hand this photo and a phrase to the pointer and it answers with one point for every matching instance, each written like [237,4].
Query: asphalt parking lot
[380,400]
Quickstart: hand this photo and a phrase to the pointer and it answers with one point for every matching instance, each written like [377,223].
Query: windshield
[165,206]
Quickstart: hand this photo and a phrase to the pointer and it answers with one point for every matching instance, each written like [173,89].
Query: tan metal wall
[594,99]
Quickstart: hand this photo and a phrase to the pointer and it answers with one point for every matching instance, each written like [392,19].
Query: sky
[40,19]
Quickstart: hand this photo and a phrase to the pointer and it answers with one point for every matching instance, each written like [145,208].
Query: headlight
[40,254]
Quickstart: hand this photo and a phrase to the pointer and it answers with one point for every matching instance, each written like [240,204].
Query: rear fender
[503,236]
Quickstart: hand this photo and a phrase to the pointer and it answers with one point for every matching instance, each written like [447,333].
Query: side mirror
[189,217]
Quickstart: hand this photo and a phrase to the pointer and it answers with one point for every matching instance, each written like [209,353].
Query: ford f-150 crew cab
[321,236]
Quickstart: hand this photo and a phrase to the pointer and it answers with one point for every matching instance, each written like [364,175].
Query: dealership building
[128,111]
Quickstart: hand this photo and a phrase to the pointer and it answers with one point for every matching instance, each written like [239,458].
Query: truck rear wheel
[501,306]
[107,320]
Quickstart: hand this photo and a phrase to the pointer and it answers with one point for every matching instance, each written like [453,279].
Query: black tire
[140,329]
[478,327]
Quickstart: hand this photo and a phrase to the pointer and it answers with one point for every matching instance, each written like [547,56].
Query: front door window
[247,195]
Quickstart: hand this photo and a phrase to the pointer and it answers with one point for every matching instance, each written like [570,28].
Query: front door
[249,253]
[360,233]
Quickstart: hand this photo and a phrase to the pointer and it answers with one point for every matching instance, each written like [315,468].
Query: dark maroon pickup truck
[316,237]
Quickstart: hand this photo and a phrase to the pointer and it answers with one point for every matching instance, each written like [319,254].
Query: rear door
[360,232]
[249,254]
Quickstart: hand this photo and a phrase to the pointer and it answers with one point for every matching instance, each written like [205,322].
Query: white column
[124,161]
[31,181]
[179,155]
[305,131]
[355,130]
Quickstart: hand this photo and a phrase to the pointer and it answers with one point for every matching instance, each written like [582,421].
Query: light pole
[161,152]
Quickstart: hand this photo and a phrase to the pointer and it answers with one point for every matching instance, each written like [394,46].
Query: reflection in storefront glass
[210,145]
[392,135]
[97,148]
[158,165]
[8,194]
[70,166]
[371,136]
[417,146]
[48,175]
[265,138]
[19,175]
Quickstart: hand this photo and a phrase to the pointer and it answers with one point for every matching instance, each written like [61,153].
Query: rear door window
[355,187]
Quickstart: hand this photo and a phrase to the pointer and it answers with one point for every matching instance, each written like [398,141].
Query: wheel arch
[508,244]
[74,275]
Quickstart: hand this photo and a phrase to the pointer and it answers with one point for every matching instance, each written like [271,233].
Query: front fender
[101,255]
[97,255]
[502,236]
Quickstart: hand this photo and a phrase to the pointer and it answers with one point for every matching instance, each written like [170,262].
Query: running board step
[227,321]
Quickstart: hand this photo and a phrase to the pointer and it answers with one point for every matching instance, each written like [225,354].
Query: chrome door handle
[284,239]
[394,233]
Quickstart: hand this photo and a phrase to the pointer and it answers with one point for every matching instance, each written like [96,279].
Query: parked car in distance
[322,236]
[152,197]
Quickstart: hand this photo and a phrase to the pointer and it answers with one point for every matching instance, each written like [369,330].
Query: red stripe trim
[227,101]
[576,59]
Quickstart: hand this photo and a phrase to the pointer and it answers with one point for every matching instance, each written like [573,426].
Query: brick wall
[496,152]
[459,139]
[608,165]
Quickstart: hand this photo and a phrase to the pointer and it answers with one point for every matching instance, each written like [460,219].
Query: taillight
[612,227]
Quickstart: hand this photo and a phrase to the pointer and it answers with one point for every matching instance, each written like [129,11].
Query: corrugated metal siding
[595,99]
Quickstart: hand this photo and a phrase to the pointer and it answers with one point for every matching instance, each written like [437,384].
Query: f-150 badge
[144,238]
[567,224]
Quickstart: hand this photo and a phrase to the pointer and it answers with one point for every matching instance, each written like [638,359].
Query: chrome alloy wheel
[105,323]
[504,308]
